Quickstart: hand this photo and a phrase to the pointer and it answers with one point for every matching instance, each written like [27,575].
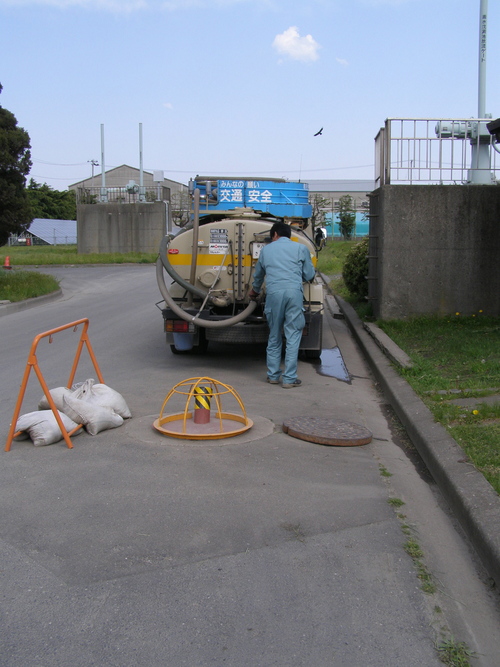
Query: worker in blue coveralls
[285,266]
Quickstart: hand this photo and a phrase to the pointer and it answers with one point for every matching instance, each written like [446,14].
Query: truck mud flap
[313,332]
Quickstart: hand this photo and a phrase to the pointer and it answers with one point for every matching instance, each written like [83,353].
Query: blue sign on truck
[278,197]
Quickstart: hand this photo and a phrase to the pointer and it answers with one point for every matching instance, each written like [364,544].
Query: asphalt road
[137,549]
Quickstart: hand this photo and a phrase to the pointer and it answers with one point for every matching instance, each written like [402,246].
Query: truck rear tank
[210,264]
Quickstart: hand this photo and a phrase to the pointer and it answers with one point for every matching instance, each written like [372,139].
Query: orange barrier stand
[33,363]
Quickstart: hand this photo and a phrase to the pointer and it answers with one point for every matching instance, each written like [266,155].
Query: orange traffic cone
[6,264]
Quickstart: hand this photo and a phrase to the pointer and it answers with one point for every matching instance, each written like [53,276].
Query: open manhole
[327,431]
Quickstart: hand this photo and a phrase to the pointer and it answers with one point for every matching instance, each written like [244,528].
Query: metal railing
[122,195]
[435,151]
[27,240]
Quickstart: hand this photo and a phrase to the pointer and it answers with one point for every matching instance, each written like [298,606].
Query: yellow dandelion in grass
[480,311]
[457,313]
[475,412]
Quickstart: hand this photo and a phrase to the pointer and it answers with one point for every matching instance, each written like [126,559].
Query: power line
[57,164]
[282,171]
[54,178]
[191,172]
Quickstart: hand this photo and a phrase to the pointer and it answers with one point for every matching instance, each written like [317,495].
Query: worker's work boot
[291,385]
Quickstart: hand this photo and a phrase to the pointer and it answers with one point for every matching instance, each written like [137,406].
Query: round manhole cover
[326,431]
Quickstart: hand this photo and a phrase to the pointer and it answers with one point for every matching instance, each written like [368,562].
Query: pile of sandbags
[96,407]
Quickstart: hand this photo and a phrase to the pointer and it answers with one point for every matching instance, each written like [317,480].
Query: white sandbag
[107,397]
[81,390]
[94,417]
[104,396]
[43,428]
[57,396]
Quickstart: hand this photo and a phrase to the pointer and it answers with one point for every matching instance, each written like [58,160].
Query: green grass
[455,654]
[20,285]
[457,357]
[453,356]
[413,549]
[40,255]
[331,259]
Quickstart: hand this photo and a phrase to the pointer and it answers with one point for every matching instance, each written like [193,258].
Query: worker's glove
[252,295]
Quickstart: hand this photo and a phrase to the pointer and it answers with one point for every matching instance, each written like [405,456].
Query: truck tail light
[178,326]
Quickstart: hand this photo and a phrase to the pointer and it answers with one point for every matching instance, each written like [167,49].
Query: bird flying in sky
[319,132]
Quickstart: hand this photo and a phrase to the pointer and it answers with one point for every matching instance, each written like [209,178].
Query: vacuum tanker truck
[205,271]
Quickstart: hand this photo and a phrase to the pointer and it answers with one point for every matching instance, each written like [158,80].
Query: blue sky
[235,87]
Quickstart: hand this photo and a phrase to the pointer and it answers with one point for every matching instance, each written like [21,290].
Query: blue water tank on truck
[211,260]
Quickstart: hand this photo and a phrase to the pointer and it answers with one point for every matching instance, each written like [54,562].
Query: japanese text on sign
[236,194]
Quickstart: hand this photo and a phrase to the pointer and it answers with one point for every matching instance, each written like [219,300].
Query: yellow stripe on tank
[211,260]
[204,260]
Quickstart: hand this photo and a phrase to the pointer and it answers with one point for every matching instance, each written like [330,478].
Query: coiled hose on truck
[163,263]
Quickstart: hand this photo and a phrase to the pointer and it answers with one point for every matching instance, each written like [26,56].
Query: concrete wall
[121,227]
[434,250]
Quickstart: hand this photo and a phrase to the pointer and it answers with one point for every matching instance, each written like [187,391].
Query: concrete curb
[471,498]
[7,308]
[388,346]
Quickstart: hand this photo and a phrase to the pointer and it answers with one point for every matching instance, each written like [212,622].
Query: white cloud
[342,61]
[292,45]
[168,105]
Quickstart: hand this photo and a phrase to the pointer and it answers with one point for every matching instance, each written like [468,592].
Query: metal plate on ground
[327,431]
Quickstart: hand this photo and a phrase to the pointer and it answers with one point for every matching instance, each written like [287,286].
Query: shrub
[356,269]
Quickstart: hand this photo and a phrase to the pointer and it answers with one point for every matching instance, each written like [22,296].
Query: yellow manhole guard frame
[190,389]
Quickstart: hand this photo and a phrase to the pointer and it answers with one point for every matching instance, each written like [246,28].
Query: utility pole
[94,163]
[480,143]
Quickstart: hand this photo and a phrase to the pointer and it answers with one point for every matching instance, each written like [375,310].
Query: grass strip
[331,259]
[20,285]
[45,254]
[456,366]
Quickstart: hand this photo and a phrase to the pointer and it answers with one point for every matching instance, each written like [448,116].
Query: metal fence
[123,195]
[31,240]
[435,151]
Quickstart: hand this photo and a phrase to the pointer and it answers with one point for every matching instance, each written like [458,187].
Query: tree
[319,205]
[347,216]
[181,208]
[50,204]
[15,164]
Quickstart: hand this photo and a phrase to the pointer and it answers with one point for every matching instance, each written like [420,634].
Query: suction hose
[208,324]
[172,273]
